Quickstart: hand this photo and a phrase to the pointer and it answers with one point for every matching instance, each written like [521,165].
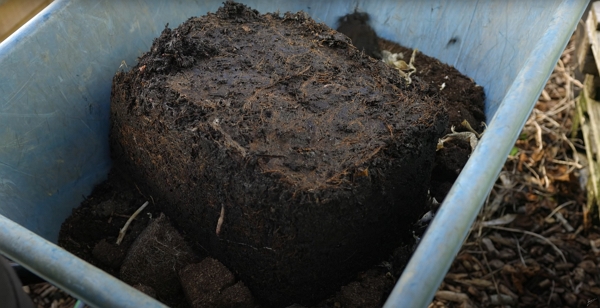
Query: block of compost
[278,147]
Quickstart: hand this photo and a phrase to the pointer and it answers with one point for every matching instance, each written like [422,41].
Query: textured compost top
[283,102]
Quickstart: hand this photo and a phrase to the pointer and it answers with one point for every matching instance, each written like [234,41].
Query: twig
[519,251]
[220,220]
[124,229]
[560,207]
[533,234]
[551,293]
[568,163]
[564,222]
[538,136]
[487,264]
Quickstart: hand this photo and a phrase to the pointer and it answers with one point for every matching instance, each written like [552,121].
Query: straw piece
[124,229]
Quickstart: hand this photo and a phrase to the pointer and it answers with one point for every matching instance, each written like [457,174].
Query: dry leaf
[537,155]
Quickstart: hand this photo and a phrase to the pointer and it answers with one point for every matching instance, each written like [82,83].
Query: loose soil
[295,175]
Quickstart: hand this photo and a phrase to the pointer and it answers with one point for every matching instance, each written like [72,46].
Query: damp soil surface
[293,165]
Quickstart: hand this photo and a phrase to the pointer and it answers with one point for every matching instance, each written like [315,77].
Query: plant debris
[528,247]
[405,69]
[470,136]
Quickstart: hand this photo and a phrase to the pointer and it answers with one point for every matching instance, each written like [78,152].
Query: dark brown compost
[275,145]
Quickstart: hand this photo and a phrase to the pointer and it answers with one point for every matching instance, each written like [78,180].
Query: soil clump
[297,163]
[274,144]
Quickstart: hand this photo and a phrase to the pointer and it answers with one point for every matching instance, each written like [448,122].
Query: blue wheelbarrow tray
[55,94]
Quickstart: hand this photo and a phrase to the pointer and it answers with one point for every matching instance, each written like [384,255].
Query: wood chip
[502,240]
[501,299]
[507,291]
[563,266]
[451,296]
[476,282]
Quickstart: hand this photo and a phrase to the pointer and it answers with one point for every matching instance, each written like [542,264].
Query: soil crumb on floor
[289,157]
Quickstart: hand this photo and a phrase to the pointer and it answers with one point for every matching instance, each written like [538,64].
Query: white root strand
[221,219]
[124,229]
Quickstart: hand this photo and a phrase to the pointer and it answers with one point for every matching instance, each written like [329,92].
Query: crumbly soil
[280,150]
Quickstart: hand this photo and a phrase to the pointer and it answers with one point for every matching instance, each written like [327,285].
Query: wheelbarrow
[55,94]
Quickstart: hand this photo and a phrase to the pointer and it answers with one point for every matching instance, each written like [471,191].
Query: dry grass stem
[124,229]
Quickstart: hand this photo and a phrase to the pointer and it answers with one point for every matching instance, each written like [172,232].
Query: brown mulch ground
[529,247]
[45,295]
